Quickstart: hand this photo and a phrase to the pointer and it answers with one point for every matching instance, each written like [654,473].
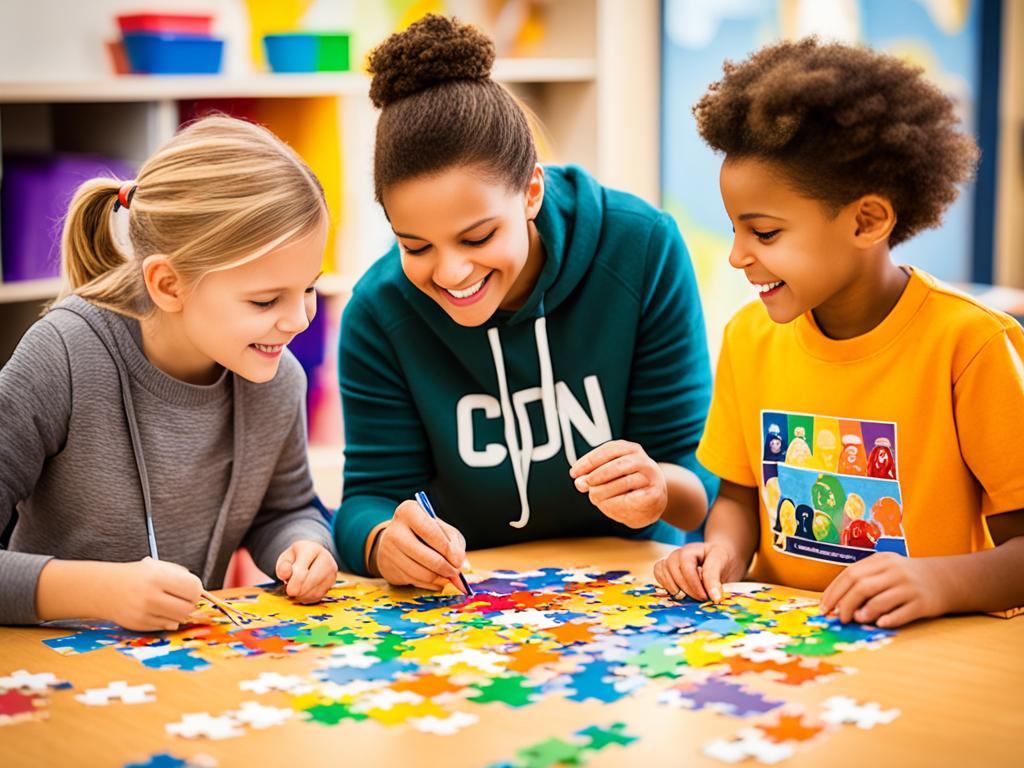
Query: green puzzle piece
[332,714]
[508,690]
[655,663]
[390,647]
[550,752]
[821,643]
[321,637]
[602,737]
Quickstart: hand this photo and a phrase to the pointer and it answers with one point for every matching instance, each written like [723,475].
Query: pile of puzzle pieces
[437,662]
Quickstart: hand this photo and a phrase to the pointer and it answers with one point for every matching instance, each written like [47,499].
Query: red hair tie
[125,195]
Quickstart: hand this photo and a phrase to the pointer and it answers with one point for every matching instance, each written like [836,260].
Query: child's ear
[535,192]
[163,283]
[875,219]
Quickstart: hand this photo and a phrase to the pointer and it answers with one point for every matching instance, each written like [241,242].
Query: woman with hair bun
[531,351]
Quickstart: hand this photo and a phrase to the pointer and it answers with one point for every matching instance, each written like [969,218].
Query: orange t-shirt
[903,439]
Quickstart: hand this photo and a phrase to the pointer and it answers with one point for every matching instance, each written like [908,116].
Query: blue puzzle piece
[723,626]
[386,670]
[392,618]
[160,760]
[595,681]
[84,641]
[179,658]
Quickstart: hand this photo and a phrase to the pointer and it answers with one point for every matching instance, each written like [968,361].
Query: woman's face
[468,241]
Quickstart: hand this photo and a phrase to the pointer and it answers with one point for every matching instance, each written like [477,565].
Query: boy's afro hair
[843,122]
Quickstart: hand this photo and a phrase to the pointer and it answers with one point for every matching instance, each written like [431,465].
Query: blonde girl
[153,418]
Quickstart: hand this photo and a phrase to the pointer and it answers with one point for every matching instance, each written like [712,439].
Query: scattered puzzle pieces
[118,691]
[841,709]
[202,725]
[748,743]
[437,663]
[554,751]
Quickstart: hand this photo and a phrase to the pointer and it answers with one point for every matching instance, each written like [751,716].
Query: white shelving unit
[592,81]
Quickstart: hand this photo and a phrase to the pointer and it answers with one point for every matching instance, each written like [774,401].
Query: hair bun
[431,51]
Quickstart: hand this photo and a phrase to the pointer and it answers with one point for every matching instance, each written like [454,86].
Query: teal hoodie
[610,344]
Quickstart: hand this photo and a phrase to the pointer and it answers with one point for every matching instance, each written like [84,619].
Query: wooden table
[958,681]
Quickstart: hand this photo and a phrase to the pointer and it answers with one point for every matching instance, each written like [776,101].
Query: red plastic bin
[180,24]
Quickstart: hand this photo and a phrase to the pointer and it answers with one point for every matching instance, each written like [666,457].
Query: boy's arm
[734,522]
[992,580]
[730,540]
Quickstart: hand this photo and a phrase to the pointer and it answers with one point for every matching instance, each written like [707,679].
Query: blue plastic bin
[292,52]
[152,53]
[307,51]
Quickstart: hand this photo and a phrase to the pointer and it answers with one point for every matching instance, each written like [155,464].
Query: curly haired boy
[866,419]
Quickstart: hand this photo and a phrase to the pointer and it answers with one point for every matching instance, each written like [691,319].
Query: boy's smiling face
[796,254]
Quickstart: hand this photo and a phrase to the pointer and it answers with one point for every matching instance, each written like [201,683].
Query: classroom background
[94,87]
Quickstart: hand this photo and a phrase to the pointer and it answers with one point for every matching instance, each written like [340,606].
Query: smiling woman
[532,350]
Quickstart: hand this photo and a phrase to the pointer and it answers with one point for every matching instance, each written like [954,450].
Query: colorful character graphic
[861,533]
[772,494]
[804,520]
[852,461]
[824,528]
[853,509]
[829,499]
[774,444]
[826,449]
[827,494]
[887,513]
[881,462]
[786,520]
[799,452]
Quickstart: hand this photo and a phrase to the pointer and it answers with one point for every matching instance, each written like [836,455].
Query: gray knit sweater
[223,465]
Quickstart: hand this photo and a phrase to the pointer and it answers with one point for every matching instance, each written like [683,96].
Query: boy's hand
[308,570]
[886,589]
[418,549]
[623,482]
[148,595]
[698,570]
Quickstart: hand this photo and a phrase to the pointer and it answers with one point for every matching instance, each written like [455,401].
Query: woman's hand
[418,549]
[623,482]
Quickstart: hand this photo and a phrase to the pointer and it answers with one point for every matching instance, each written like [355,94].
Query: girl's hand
[418,549]
[623,482]
[698,570]
[148,595]
[308,570]
[886,589]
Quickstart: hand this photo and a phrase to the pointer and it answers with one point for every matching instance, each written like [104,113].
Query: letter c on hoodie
[494,453]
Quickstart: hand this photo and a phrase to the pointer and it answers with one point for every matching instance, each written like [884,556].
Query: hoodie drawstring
[522,456]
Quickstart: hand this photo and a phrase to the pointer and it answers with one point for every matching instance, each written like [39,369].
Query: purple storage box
[34,196]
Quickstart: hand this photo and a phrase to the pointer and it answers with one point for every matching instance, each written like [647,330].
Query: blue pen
[424,502]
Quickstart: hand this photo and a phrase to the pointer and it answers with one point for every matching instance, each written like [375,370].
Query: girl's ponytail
[93,264]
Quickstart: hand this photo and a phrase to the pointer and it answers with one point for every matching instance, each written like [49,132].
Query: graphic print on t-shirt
[831,486]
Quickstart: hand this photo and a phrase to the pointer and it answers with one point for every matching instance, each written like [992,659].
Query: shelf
[177,87]
[29,290]
[174,87]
